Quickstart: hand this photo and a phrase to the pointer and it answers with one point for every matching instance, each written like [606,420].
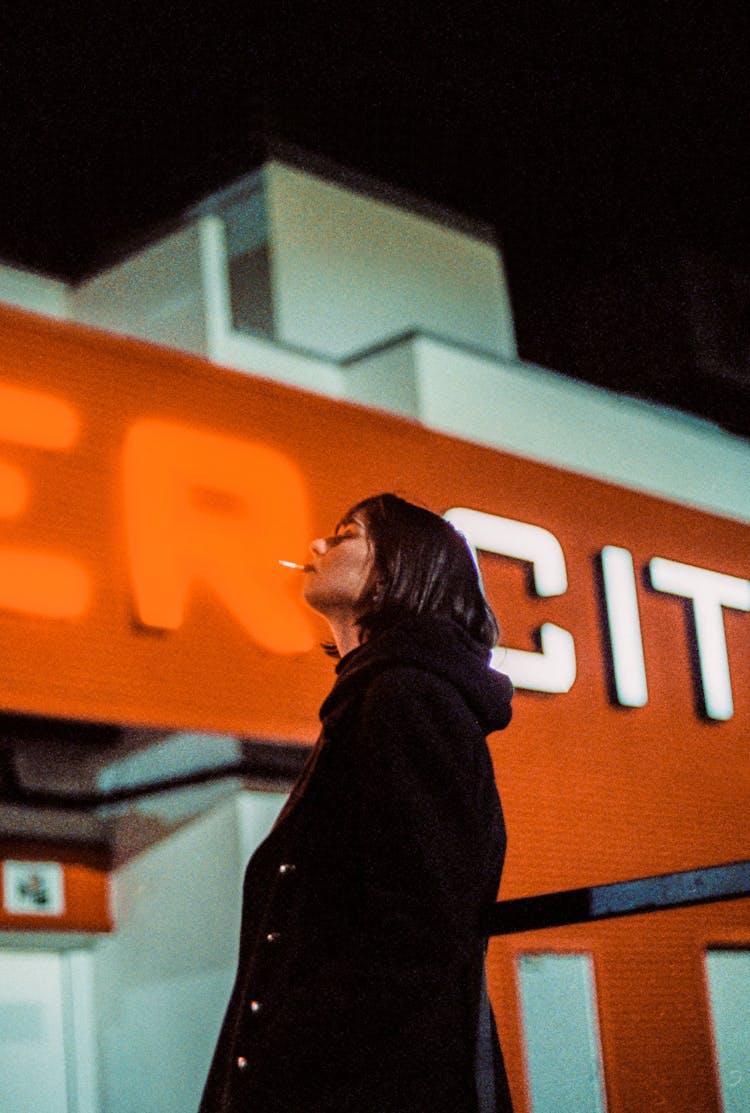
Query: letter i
[624,623]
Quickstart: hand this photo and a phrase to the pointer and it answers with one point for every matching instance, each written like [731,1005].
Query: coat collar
[437,645]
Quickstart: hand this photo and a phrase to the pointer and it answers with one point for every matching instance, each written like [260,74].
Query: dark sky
[605,143]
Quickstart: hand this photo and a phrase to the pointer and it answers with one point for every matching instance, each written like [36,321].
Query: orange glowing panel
[213,510]
[188,482]
[36,418]
[42,584]
[14,491]
[33,581]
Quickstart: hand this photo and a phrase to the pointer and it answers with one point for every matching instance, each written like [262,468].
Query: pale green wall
[162,980]
[729,987]
[561,1033]
[528,410]
[351,271]
[34,292]
[537,413]
[156,294]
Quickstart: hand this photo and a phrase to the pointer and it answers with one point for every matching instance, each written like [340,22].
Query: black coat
[361,970]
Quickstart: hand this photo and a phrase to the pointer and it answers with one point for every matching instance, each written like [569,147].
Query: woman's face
[340,570]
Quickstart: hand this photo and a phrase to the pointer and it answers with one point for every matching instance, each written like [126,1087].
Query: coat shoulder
[410,691]
[421,716]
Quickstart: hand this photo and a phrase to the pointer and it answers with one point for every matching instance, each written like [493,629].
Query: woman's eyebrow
[344,522]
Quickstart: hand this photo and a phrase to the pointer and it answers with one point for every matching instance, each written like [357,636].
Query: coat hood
[437,645]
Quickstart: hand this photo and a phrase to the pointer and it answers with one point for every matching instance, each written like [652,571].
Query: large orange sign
[147,496]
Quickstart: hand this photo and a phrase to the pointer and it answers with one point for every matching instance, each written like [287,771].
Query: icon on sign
[33,888]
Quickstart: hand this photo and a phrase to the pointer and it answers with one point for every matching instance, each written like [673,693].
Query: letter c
[554,668]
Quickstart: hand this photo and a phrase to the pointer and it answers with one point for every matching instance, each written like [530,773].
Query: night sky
[605,144]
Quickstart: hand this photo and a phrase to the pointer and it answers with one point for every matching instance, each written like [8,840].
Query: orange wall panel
[652,1003]
[86,891]
[145,497]
[593,791]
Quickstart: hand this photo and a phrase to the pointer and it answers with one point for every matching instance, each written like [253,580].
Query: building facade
[173,426]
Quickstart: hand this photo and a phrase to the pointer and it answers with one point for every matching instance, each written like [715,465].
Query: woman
[360,986]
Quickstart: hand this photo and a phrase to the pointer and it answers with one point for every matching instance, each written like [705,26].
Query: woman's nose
[318,546]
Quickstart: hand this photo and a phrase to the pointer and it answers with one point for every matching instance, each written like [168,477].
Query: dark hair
[421,565]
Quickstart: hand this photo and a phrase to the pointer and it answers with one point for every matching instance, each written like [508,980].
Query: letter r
[33,580]
[216,511]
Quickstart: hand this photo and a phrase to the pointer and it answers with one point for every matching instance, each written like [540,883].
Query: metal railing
[622,898]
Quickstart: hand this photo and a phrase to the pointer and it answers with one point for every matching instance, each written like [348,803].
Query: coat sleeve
[427,817]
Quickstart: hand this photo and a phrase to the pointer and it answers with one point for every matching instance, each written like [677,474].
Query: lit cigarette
[295,567]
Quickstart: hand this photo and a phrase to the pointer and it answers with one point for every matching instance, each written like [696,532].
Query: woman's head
[420,565]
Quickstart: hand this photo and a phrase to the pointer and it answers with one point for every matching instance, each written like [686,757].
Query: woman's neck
[346,634]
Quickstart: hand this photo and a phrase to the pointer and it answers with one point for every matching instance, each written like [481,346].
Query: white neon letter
[554,669]
[624,622]
[709,592]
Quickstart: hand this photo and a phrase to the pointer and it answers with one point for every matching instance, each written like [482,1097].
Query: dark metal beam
[622,898]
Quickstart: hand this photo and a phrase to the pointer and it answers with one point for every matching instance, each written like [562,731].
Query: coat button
[241,1062]
[256,1006]
[273,937]
[287,867]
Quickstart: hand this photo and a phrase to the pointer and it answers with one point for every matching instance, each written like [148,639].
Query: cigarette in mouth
[296,567]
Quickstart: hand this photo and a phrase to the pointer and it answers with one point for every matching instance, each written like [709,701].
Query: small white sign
[33,888]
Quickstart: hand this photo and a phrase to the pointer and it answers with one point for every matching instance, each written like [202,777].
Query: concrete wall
[156,294]
[350,271]
[252,354]
[533,412]
[162,980]
[32,291]
[543,415]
